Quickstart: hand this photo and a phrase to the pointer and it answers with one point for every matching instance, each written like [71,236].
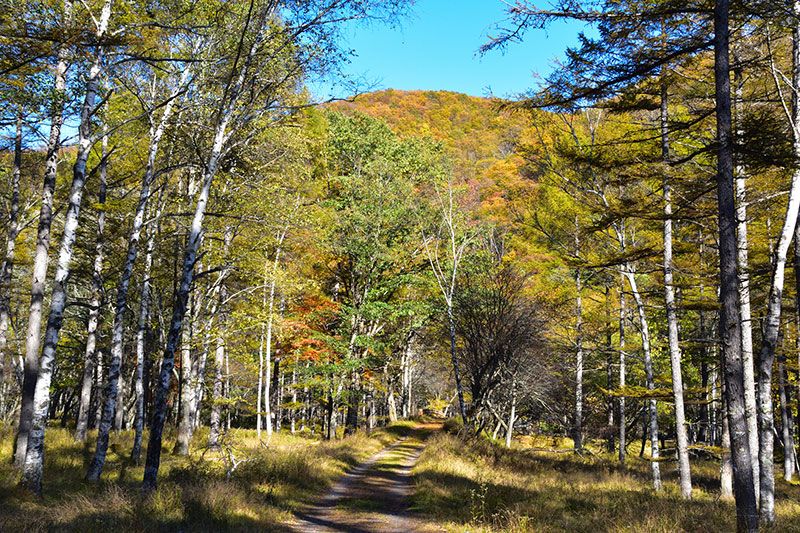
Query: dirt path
[373,497]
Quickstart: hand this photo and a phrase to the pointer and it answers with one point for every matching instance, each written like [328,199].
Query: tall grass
[196,493]
[472,484]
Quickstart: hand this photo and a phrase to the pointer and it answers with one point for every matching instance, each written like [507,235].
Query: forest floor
[540,485]
[408,477]
[276,478]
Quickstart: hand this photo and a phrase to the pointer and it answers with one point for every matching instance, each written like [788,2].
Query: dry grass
[476,485]
[194,492]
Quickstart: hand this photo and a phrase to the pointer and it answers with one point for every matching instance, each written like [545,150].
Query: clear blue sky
[436,48]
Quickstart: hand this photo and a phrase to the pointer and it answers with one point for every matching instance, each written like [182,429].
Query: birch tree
[91,353]
[41,255]
[34,457]
[158,126]
[445,253]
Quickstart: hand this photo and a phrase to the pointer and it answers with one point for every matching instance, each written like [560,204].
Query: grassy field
[194,493]
[461,485]
[476,485]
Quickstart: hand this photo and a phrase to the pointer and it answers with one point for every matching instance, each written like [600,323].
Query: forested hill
[480,137]
[477,132]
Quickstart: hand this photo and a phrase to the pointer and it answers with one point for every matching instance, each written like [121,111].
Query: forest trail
[374,496]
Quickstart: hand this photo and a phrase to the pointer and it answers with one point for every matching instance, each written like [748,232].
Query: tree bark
[184,435]
[179,309]
[648,369]
[219,352]
[34,456]
[111,406]
[141,337]
[41,254]
[682,440]
[267,335]
[622,377]
[512,415]
[726,467]
[787,424]
[577,428]
[772,322]
[90,357]
[7,267]
[730,320]
[610,442]
[750,409]
[451,323]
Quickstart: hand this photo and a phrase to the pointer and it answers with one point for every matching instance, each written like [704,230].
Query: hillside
[476,131]
[481,139]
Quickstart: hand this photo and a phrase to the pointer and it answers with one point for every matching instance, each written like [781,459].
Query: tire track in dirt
[373,497]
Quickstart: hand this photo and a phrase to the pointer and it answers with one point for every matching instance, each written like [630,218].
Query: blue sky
[436,48]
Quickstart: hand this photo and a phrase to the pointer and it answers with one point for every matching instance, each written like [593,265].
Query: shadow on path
[373,497]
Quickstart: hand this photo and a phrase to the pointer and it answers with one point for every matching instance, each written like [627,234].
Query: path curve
[373,497]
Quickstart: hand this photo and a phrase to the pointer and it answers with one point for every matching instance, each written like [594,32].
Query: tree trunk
[751,413]
[577,428]
[726,467]
[293,411]
[41,254]
[7,267]
[216,402]
[787,424]
[648,369]
[268,336]
[391,405]
[141,337]
[219,352]
[730,321]
[772,322]
[184,435]
[512,415]
[621,419]
[111,406]
[451,323]
[179,310]
[90,357]
[682,439]
[98,390]
[610,443]
[34,456]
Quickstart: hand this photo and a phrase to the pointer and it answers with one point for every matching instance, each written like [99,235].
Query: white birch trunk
[512,414]
[750,411]
[113,393]
[179,310]
[270,303]
[96,302]
[141,337]
[41,254]
[682,439]
[577,434]
[772,322]
[622,377]
[7,268]
[219,352]
[787,425]
[648,369]
[184,435]
[34,456]
[726,468]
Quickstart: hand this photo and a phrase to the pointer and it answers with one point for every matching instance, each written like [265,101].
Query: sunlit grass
[275,477]
[540,485]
